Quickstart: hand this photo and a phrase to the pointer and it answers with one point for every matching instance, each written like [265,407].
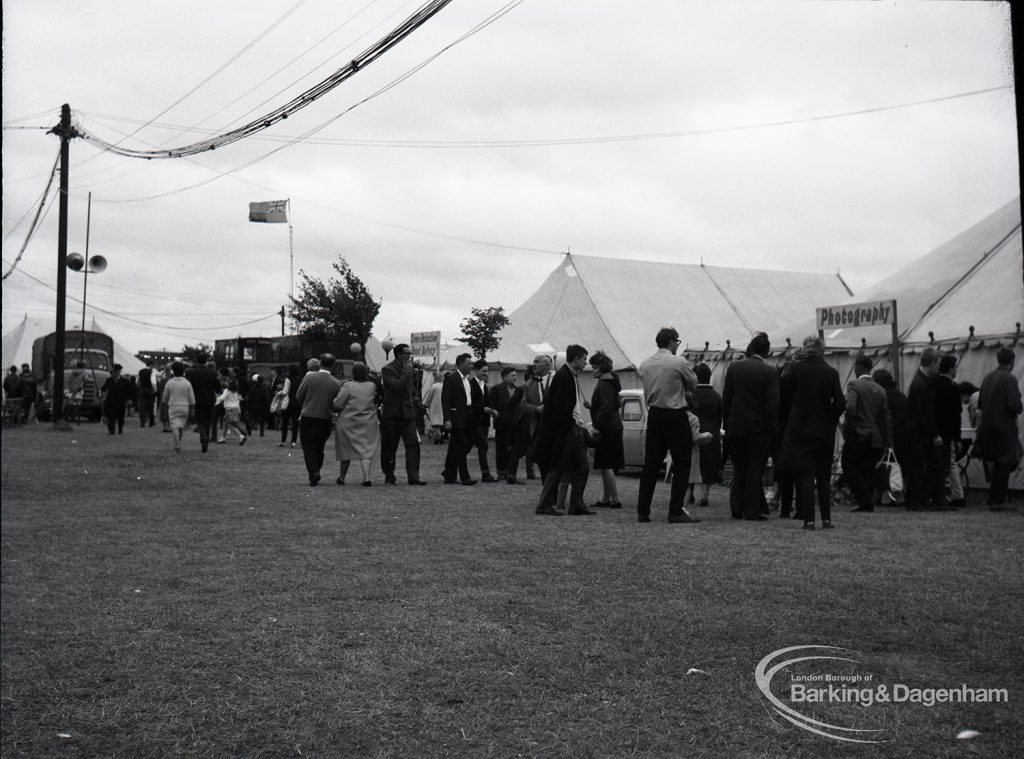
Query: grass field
[156,605]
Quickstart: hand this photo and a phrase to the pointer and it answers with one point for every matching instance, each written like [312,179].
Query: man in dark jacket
[925,476]
[561,442]
[809,440]
[258,403]
[116,392]
[504,426]
[399,410]
[867,431]
[1000,404]
[461,404]
[750,407]
[206,386]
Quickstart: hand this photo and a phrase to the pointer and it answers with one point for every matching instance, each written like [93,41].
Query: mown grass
[156,605]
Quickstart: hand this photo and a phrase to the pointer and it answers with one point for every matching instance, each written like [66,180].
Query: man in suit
[481,430]
[561,442]
[867,431]
[400,404]
[461,403]
[316,396]
[147,395]
[497,399]
[206,385]
[666,377]
[999,402]
[517,428]
[925,476]
[948,412]
[534,392]
[750,408]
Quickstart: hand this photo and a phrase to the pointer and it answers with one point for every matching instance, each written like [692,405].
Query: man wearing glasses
[666,379]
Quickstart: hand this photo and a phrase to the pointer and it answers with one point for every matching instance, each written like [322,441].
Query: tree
[197,354]
[480,331]
[339,309]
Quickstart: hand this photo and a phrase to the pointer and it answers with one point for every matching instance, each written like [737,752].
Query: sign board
[874,314]
[426,345]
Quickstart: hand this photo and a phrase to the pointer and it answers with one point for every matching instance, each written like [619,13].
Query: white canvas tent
[17,344]
[618,306]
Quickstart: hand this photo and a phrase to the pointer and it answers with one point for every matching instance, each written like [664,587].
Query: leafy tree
[480,330]
[339,309]
[197,354]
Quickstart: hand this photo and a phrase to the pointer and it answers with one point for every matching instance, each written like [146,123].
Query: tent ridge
[961,279]
[728,300]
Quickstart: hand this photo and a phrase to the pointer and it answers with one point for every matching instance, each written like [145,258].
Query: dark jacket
[205,384]
[921,399]
[258,399]
[709,409]
[867,413]
[1000,404]
[750,398]
[899,409]
[461,411]
[948,409]
[605,404]
[399,397]
[818,402]
[556,423]
[498,398]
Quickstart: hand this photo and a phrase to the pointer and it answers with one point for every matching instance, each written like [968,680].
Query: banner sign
[426,344]
[874,314]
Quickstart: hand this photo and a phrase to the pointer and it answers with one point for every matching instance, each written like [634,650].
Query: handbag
[279,404]
[894,480]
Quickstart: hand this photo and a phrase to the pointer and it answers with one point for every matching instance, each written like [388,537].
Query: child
[231,401]
[699,438]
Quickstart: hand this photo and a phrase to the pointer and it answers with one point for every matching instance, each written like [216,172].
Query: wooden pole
[65,134]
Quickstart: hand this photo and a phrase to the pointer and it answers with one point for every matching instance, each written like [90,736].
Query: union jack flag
[270,211]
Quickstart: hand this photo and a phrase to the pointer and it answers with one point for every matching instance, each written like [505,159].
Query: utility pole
[64,131]
[282,321]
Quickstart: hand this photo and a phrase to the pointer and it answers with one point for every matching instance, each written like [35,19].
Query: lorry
[88,358]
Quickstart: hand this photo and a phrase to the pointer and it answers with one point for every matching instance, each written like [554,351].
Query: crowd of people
[776,424]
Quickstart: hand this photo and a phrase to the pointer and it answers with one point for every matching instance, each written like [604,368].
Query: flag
[270,211]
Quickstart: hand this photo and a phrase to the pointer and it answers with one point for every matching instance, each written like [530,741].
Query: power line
[403,30]
[35,220]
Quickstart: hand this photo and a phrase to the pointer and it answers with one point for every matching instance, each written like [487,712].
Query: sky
[813,136]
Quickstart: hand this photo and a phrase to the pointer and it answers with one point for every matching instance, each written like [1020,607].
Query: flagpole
[291,254]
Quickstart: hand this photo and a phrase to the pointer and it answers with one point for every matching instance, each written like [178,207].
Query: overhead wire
[35,221]
[311,95]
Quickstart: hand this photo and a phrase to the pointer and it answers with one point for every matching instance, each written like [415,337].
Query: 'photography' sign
[874,314]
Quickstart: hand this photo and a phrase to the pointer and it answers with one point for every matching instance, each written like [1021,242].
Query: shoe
[584,511]
[548,512]
[704,502]
[390,481]
[827,526]
[959,503]
[469,482]
[691,499]
[758,518]
[206,447]
[514,482]
[165,430]
[340,481]
[451,482]
[314,480]
[417,482]
[489,478]
[863,510]
[601,505]
[683,518]
[368,484]
[243,441]
[614,505]
[282,445]
[808,525]
[643,519]
[220,442]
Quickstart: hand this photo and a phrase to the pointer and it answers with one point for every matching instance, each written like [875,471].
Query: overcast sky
[476,217]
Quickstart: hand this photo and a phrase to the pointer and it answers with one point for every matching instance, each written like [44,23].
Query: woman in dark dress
[709,411]
[609,456]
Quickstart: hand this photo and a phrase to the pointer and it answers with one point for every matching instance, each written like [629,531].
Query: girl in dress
[231,402]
